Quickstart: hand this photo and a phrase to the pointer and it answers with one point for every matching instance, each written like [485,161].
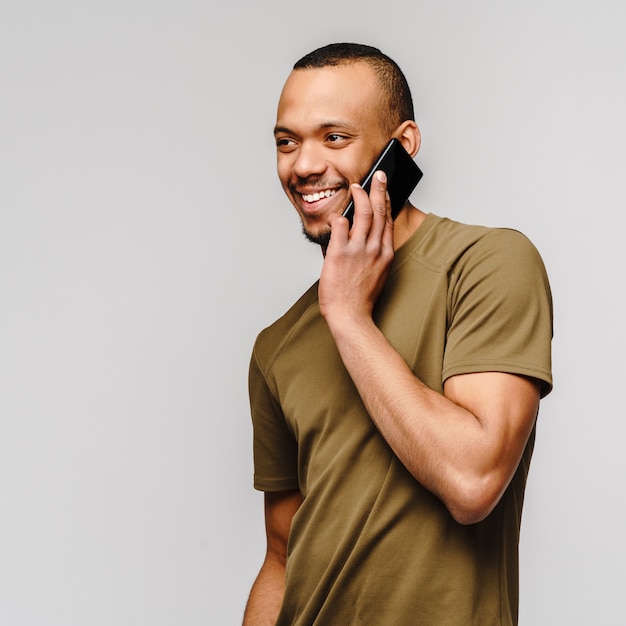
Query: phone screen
[403,174]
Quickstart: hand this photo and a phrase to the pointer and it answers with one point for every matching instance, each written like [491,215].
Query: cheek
[283,169]
[352,166]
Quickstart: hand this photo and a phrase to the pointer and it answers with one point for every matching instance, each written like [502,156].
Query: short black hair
[394,86]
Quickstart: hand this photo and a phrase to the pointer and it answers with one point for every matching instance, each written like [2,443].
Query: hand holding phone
[403,174]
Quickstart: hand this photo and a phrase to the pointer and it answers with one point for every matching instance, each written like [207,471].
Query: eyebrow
[281,129]
[323,126]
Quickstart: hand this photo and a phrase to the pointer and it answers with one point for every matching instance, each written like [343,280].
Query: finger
[363,213]
[388,234]
[339,229]
[381,207]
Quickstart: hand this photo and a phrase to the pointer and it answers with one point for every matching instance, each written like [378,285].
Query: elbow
[466,515]
[473,500]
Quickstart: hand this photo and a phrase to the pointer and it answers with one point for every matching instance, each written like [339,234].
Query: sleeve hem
[275,484]
[544,376]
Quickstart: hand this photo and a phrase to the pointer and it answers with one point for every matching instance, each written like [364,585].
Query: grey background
[145,240]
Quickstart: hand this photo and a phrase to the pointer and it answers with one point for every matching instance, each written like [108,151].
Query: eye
[337,140]
[284,144]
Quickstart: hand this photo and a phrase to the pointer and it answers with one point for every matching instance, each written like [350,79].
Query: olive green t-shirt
[370,545]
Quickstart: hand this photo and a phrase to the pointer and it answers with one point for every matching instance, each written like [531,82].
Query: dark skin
[463,445]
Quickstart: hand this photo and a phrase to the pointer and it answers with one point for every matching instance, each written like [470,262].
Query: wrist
[345,322]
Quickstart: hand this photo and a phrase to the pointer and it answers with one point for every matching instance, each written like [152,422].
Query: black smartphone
[403,174]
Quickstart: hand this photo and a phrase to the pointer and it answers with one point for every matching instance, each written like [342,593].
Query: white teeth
[314,197]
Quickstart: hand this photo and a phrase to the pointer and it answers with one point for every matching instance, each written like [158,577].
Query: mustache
[315,182]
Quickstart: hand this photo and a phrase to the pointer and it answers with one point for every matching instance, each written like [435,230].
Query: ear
[409,135]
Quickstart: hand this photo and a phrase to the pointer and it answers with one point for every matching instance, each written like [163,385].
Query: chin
[321,238]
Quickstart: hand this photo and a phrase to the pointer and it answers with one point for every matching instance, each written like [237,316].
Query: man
[394,404]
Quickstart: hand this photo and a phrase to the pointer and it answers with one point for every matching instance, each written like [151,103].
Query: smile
[314,197]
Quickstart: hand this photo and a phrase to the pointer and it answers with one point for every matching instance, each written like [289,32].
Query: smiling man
[394,405]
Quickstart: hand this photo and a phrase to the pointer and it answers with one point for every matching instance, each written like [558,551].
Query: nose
[310,160]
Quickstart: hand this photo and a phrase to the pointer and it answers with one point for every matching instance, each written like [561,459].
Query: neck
[406,223]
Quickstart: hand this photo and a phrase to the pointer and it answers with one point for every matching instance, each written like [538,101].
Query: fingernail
[381,176]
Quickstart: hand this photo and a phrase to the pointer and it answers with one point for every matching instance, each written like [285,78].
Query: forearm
[445,446]
[266,596]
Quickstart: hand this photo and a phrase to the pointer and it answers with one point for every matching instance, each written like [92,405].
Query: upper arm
[280,507]
[505,406]
[268,590]
[500,310]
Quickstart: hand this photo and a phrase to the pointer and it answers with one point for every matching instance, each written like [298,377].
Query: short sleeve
[500,310]
[275,448]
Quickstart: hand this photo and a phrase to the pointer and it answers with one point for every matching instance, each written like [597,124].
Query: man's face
[328,132]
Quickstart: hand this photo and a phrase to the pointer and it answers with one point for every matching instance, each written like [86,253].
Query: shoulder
[453,245]
[270,340]
[450,239]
